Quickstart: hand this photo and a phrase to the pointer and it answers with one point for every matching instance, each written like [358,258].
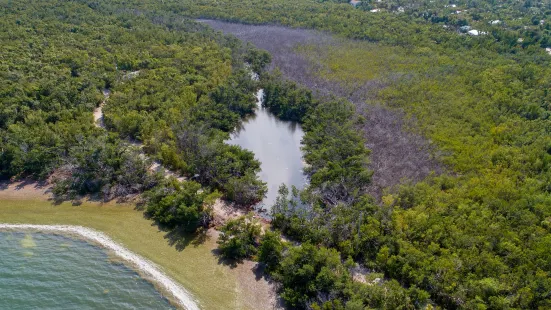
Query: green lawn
[195,267]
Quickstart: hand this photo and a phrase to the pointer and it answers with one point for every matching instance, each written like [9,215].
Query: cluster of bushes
[239,238]
[186,129]
[103,165]
[181,205]
[312,276]
[228,168]
[285,99]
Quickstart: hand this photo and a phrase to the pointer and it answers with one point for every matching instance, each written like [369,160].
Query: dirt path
[156,166]
[98,112]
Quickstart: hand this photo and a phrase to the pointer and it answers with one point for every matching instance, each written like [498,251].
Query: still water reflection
[276,144]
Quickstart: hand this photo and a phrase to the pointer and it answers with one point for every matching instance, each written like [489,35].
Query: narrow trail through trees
[98,112]
[156,165]
[222,210]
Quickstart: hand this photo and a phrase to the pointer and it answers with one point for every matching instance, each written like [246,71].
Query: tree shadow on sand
[178,237]
[232,263]
[4,185]
[78,200]
[258,270]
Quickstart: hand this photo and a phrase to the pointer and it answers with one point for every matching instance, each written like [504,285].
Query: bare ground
[25,190]
[398,154]
[223,212]
[98,112]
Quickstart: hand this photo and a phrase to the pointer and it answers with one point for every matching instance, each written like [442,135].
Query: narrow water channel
[276,144]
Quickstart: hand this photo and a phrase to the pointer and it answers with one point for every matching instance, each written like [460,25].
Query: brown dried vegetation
[398,153]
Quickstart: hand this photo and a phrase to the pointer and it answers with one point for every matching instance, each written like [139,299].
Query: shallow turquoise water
[46,271]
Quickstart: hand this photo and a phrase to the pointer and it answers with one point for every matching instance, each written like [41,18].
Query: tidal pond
[276,144]
[48,271]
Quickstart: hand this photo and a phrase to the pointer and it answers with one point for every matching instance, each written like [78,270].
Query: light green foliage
[482,115]
[180,205]
[270,250]
[239,237]
[476,237]
[286,99]
[307,272]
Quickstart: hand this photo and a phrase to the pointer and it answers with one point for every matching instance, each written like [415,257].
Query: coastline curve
[181,296]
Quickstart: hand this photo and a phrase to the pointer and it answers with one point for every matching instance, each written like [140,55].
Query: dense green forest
[474,237]
[177,89]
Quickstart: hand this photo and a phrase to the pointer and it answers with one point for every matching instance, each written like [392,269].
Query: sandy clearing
[25,190]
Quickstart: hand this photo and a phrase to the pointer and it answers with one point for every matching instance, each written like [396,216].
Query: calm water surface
[46,271]
[276,144]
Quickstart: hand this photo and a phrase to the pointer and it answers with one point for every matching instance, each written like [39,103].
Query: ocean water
[47,271]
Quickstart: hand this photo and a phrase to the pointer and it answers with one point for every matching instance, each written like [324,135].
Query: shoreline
[148,270]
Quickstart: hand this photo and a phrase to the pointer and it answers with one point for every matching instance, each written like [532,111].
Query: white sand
[147,268]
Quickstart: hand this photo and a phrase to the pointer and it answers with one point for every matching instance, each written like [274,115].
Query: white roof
[473,32]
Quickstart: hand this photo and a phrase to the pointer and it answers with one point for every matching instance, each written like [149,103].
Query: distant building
[495,22]
[473,32]
[548,50]
[355,2]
